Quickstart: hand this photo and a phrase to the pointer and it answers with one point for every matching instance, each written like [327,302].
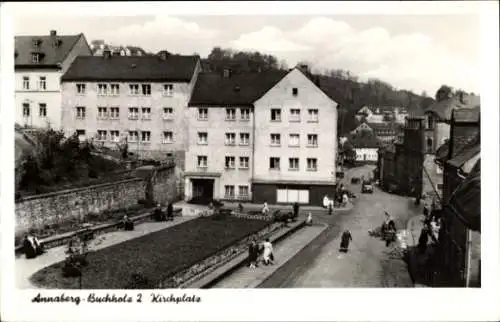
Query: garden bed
[155,257]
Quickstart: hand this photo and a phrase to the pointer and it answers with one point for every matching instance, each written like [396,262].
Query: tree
[444,92]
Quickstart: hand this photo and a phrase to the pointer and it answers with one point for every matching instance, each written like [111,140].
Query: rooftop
[445,107]
[363,140]
[174,68]
[214,89]
[53,49]
[466,115]
[466,199]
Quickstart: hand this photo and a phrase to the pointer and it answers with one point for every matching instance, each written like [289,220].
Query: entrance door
[203,188]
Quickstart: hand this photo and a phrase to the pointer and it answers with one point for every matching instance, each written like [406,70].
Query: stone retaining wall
[75,204]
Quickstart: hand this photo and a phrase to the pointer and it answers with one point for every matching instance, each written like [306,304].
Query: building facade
[268,136]
[138,101]
[40,61]
[295,142]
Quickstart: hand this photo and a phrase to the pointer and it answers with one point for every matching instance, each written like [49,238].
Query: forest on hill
[342,85]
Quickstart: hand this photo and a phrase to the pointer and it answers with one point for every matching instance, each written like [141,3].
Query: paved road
[368,264]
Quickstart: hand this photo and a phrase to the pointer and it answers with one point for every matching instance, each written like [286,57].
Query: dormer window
[35,58]
[36,43]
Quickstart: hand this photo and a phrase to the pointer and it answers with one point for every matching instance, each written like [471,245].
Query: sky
[413,52]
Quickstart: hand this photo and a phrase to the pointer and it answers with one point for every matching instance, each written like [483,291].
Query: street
[368,262]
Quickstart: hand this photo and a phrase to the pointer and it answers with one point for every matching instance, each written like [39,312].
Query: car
[367,187]
[355,180]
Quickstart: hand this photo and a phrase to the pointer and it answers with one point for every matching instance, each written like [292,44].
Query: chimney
[106,54]
[53,33]
[227,73]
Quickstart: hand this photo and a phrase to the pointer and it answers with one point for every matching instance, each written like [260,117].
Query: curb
[238,262]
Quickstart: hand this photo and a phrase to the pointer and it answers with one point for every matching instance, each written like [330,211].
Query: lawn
[156,256]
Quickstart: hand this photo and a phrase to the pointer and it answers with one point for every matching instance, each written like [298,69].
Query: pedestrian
[268,255]
[388,229]
[345,240]
[295,210]
[253,253]
[265,208]
[345,199]
[309,219]
[423,240]
[240,208]
[170,211]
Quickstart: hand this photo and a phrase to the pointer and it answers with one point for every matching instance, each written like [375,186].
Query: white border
[273,305]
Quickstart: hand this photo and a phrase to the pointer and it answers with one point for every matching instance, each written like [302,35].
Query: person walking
[295,210]
[265,209]
[345,240]
[388,229]
[253,254]
[268,255]
[170,211]
[309,219]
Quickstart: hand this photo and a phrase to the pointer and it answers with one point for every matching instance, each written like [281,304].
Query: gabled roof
[51,54]
[466,200]
[174,68]
[363,140]
[213,89]
[470,150]
[445,107]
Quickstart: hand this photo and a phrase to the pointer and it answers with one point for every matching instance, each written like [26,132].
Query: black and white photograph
[188,152]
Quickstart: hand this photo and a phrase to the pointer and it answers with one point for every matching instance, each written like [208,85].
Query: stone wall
[64,206]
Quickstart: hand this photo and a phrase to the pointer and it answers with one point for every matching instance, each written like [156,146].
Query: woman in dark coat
[423,240]
[345,240]
[388,230]
[253,254]
[170,212]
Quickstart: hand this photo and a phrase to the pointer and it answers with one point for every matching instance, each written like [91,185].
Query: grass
[156,256]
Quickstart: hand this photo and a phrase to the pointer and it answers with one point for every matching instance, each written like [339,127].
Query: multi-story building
[365,145]
[268,136]
[40,61]
[386,133]
[382,114]
[140,100]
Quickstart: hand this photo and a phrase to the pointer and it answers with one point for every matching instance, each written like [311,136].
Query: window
[168,137]
[312,164]
[133,136]
[145,136]
[202,138]
[102,112]
[146,113]
[230,114]
[26,110]
[115,89]
[313,115]
[42,109]
[230,138]
[81,134]
[293,164]
[114,113]
[274,163]
[42,84]
[243,191]
[312,140]
[26,83]
[276,115]
[168,89]
[244,161]
[146,89]
[168,113]
[430,122]
[81,89]
[203,113]
[230,162]
[229,192]
[133,113]
[245,114]
[294,115]
[102,89]
[115,136]
[202,161]
[244,138]
[294,140]
[295,91]
[80,112]
[35,58]
[275,139]
[429,144]
[133,89]
[102,135]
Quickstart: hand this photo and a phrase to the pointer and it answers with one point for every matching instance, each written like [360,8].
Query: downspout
[468,255]
[253,151]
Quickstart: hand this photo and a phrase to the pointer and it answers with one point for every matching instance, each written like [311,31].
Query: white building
[40,61]
[366,146]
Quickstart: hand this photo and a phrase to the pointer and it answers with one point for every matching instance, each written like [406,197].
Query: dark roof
[466,200]
[132,68]
[363,139]
[471,149]
[466,115]
[442,152]
[380,110]
[212,89]
[445,107]
[51,54]
[380,128]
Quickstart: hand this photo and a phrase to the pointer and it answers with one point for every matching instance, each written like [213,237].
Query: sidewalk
[24,268]
[244,277]
[416,261]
